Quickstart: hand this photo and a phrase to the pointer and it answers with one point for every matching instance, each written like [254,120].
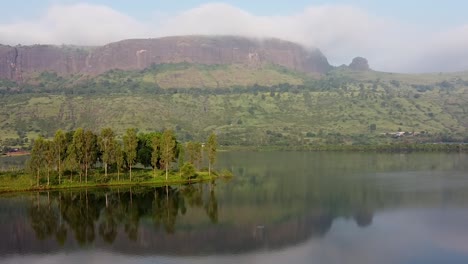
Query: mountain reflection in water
[280,207]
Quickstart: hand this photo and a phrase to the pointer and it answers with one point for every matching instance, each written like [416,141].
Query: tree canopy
[83,153]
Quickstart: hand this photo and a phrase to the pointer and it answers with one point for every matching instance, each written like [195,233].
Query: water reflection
[84,214]
[181,220]
[13,162]
[280,207]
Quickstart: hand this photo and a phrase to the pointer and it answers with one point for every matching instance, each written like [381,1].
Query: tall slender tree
[49,156]
[78,146]
[194,153]
[181,159]
[130,147]
[211,148]
[60,143]
[71,163]
[168,145]
[90,151]
[119,158]
[106,146]
[37,157]
[155,154]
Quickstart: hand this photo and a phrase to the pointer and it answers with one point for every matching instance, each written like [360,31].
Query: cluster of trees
[81,150]
[7,144]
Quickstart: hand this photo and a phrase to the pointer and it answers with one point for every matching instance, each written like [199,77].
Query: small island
[82,158]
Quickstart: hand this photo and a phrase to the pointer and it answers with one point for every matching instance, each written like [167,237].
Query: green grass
[20,181]
[15,181]
[184,75]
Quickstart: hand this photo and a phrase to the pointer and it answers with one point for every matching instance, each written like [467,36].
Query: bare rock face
[359,64]
[20,61]
[8,62]
[15,62]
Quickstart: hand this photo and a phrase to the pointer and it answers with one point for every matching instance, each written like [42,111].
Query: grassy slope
[184,75]
[348,105]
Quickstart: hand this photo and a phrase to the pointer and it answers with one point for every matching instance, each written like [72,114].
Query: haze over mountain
[397,36]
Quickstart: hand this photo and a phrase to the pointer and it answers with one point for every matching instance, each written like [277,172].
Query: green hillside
[260,106]
[162,76]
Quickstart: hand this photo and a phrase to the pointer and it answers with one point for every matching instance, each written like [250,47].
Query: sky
[396,36]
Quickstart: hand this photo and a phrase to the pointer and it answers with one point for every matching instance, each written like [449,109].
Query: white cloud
[444,51]
[340,31]
[80,24]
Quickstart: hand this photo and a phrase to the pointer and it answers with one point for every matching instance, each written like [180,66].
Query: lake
[281,207]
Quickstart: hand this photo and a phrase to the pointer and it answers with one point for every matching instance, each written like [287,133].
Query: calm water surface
[281,207]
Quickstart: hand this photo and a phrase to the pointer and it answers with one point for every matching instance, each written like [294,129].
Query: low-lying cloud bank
[340,31]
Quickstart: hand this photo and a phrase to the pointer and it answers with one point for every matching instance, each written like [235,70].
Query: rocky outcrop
[359,64]
[135,54]
[15,62]
[8,57]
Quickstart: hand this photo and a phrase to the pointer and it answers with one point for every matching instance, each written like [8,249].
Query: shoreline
[379,148]
[155,182]
[391,148]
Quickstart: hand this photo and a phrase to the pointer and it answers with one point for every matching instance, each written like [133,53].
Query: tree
[145,148]
[37,157]
[119,158]
[90,151]
[71,162]
[106,146]
[49,157]
[168,145]
[181,159]
[194,153]
[78,149]
[60,143]
[372,127]
[130,147]
[211,148]
[155,154]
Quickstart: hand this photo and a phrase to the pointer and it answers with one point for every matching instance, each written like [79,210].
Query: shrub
[188,170]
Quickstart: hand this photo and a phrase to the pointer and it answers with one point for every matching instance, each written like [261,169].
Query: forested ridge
[265,106]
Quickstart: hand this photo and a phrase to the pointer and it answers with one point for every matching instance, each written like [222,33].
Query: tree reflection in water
[44,219]
[116,214]
[81,212]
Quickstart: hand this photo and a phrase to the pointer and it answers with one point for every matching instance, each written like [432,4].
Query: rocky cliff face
[15,62]
[20,61]
[359,64]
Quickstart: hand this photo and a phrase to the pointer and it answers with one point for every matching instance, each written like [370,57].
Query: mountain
[251,92]
[20,62]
